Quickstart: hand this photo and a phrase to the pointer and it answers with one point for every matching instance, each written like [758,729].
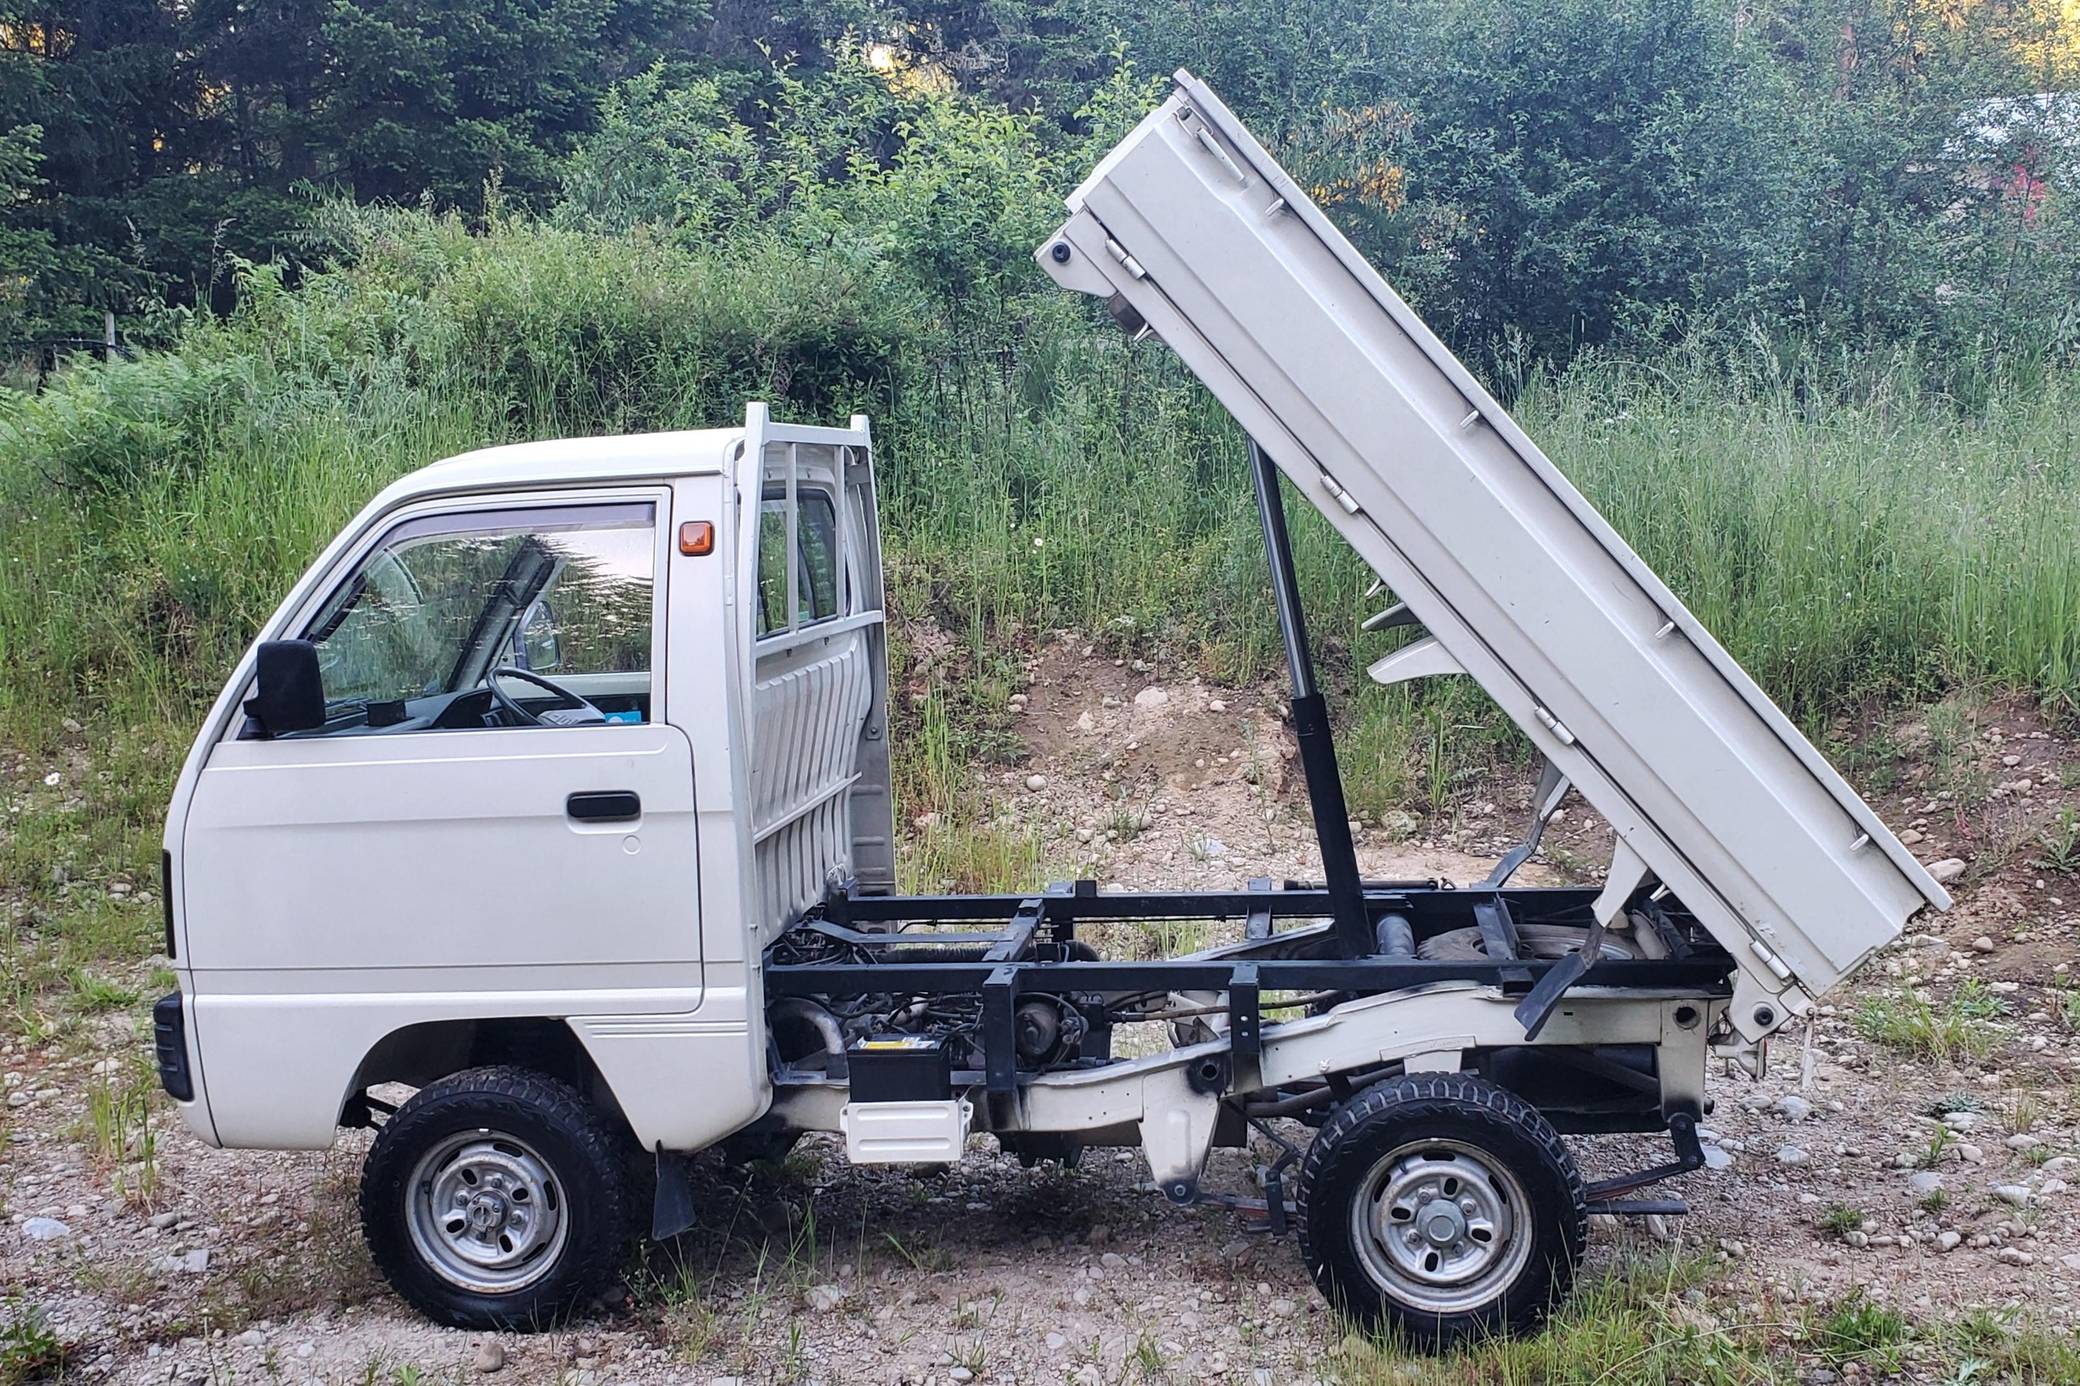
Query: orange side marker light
[697,537]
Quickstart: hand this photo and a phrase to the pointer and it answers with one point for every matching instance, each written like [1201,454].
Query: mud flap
[673,1211]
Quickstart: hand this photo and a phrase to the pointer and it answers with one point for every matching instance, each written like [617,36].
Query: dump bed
[1190,227]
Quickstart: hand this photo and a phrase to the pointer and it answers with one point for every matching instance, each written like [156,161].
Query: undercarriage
[1024,1010]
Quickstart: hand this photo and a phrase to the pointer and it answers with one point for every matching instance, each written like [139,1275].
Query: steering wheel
[570,711]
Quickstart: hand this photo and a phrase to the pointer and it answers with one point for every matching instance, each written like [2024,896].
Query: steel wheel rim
[1441,1226]
[486,1212]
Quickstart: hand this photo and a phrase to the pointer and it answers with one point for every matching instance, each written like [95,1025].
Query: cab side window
[494,618]
[820,588]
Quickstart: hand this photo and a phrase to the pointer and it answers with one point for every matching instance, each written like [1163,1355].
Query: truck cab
[541,752]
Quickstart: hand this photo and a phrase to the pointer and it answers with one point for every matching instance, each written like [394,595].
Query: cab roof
[571,461]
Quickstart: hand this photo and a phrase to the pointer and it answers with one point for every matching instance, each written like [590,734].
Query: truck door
[496,811]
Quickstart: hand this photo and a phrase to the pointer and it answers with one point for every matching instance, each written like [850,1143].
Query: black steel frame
[1029,952]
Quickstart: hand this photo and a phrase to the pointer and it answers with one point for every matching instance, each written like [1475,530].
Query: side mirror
[288,694]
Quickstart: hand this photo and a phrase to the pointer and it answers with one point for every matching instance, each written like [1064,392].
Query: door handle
[604,805]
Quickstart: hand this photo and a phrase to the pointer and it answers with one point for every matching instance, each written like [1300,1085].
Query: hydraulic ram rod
[1332,824]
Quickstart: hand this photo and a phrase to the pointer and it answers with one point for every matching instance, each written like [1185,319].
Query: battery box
[906,1133]
[899,1068]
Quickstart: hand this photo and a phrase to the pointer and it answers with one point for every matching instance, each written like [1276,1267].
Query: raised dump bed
[1193,232]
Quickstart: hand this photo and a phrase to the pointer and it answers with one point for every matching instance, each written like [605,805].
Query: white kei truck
[558,790]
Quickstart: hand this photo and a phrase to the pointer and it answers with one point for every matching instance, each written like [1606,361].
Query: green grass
[29,1350]
[2060,844]
[1841,1219]
[1637,1321]
[1959,1028]
[1653,1318]
[2020,1113]
[964,854]
[92,993]
[117,1127]
[1842,542]
[1859,1330]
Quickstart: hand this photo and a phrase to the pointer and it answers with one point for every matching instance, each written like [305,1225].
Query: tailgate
[1189,226]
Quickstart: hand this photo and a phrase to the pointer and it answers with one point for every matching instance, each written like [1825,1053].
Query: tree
[29,258]
[1597,155]
[268,57]
[431,96]
[106,84]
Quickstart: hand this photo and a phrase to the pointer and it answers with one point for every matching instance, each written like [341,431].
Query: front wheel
[1443,1206]
[495,1198]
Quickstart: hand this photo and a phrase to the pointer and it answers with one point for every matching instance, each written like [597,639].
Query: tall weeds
[1847,534]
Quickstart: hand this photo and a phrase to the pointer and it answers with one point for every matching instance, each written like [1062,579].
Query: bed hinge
[1342,497]
[1554,725]
[1126,261]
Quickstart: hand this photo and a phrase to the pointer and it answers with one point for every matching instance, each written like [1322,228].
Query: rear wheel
[1443,1206]
[495,1198]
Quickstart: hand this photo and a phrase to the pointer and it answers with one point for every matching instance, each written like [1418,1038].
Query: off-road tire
[586,1155]
[1474,1114]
